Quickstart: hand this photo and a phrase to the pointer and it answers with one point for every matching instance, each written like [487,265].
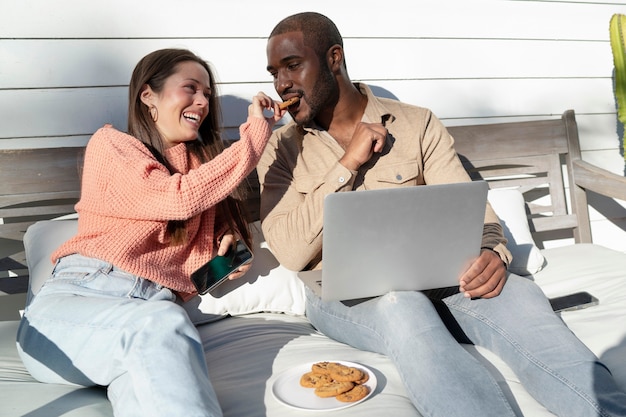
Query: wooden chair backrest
[37,184]
[536,157]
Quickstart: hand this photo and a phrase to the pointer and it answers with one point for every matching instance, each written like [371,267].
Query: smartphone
[217,270]
[573,301]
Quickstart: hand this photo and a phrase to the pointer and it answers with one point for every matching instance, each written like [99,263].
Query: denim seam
[44,317]
[371,329]
[390,349]
[531,358]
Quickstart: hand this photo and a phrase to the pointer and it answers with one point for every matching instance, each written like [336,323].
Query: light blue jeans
[422,338]
[94,324]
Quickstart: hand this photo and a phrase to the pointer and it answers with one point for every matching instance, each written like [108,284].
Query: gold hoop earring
[154,113]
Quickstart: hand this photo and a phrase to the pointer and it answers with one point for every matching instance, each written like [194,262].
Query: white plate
[288,391]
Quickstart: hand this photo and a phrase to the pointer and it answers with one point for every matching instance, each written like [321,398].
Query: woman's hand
[227,242]
[262,102]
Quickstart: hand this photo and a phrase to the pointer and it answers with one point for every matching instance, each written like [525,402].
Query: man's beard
[323,94]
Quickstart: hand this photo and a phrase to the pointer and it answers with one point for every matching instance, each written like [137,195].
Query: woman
[156,205]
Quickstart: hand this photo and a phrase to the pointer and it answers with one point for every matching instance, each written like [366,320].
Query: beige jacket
[300,167]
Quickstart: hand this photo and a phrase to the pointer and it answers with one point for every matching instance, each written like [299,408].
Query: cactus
[616,28]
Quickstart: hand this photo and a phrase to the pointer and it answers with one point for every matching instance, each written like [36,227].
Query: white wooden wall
[65,64]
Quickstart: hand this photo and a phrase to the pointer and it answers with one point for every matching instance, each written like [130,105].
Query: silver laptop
[410,238]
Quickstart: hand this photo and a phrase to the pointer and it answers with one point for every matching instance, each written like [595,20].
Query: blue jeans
[93,324]
[421,336]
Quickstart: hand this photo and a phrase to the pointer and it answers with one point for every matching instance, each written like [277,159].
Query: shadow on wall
[381,92]
[234,112]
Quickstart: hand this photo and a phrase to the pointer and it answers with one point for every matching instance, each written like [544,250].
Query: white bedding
[271,343]
[246,353]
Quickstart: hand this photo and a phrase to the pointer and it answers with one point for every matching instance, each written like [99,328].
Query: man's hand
[485,278]
[367,139]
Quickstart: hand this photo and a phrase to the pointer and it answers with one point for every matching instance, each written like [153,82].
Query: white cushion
[510,207]
[266,287]
[40,240]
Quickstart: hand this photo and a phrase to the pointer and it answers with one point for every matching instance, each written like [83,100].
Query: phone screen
[573,301]
[219,268]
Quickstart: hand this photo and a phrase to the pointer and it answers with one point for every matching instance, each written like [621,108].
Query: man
[343,138]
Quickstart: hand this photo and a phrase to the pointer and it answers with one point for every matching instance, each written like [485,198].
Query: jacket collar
[375,111]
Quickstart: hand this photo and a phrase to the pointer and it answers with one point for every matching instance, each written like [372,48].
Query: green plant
[616,29]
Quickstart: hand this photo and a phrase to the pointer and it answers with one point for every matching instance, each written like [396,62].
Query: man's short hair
[319,32]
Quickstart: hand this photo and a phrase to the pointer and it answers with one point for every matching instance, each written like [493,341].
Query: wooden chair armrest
[598,180]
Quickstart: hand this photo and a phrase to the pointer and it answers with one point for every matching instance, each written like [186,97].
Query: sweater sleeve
[123,179]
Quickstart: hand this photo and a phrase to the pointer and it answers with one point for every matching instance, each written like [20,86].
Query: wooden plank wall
[65,64]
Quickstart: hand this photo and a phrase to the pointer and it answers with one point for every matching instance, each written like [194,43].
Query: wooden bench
[531,155]
[44,183]
[261,344]
[35,184]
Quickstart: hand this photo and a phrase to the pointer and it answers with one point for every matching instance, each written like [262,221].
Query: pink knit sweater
[128,197]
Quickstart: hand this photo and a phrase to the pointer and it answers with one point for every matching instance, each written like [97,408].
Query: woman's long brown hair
[153,70]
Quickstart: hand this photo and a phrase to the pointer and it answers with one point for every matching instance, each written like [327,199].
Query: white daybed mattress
[273,343]
[246,353]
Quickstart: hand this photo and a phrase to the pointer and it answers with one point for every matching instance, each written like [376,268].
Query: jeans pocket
[83,276]
[89,281]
